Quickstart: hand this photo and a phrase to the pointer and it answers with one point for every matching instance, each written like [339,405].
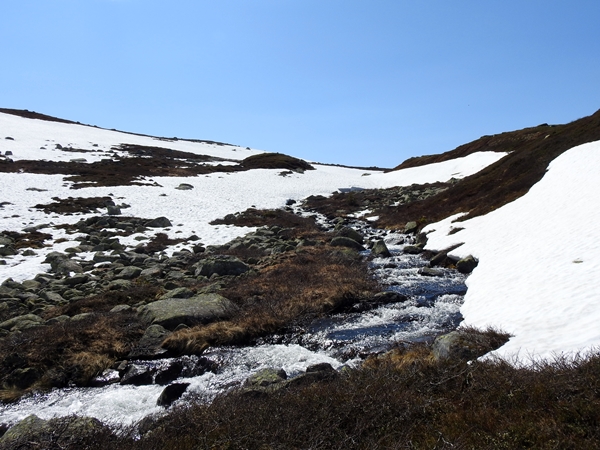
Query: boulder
[22,322]
[466,265]
[149,346]
[138,375]
[129,273]
[171,393]
[201,309]
[266,377]
[380,249]
[159,222]
[223,265]
[351,233]
[463,344]
[412,249]
[113,210]
[411,227]
[185,187]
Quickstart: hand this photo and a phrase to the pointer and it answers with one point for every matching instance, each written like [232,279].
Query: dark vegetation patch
[299,286]
[33,115]
[403,400]
[146,162]
[3,204]
[61,353]
[253,217]
[158,243]
[70,205]
[275,161]
[30,239]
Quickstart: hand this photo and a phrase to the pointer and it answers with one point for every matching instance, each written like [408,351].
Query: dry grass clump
[73,351]
[302,285]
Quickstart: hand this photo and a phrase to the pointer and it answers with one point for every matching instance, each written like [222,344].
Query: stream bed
[430,305]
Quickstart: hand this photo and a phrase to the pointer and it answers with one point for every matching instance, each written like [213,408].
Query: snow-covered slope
[214,195]
[539,259]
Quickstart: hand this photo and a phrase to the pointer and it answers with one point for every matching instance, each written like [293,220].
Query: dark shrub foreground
[405,400]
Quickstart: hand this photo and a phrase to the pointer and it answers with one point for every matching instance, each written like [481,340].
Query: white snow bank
[539,259]
[37,139]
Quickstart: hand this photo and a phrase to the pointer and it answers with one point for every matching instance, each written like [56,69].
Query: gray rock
[380,249]
[149,345]
[138,375]
[411,227]
[341,241]
[159,222]
[129,273]
[76,279]
[53,297]
[462,344]
[151,272]
[429,272]
[223,265]
[466,265]
[351,233]
[7,250]
[200,309]
[266,377]
[120,308]
[185,187]
[22,322]
[181,292]
[113,210]
[412,249]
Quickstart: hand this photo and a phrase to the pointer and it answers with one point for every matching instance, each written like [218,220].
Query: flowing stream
[431,307]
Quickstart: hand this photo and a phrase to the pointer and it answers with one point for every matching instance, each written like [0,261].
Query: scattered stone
[412,249]
[20,323]
[380,249]
[411,227]
[129,273]
[221,265]
[138,375]
[185,187]
[159,222]
[429,272]
[171,393]
[266,377]
[113,210]
[466,265]
[351,233]
[149,345]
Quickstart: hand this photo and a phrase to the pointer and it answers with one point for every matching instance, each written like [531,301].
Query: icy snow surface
[539,260]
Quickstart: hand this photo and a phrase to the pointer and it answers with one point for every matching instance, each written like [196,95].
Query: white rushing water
[432,306]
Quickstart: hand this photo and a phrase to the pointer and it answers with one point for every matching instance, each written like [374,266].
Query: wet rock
[266,377]
[171,393]
[466,265]
[201,309]
[313,374]
[65,432]
[225,265]
[138,375]
[412,249]
[341,241]
[380,249]
[429,272]
[109,376]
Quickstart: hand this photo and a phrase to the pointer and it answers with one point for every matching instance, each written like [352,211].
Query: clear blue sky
[369,82]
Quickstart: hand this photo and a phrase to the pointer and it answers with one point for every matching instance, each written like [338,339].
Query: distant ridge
[530,152]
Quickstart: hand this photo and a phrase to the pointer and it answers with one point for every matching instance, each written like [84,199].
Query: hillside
[246,284]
